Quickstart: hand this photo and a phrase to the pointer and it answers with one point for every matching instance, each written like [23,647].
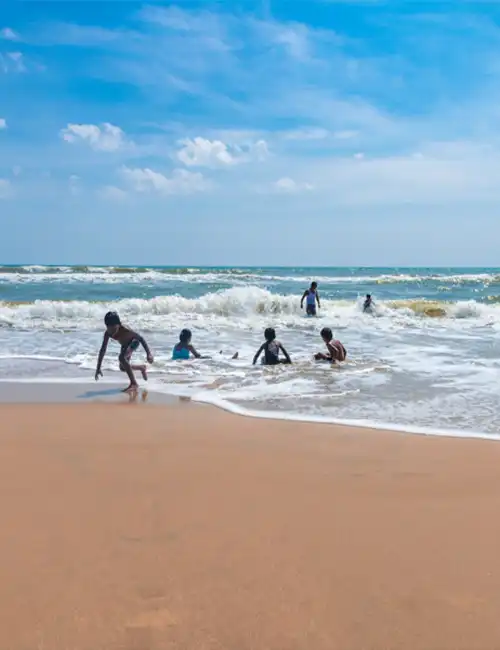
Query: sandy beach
[158,527]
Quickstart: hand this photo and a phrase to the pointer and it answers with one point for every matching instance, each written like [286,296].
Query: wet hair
[111,318]
[326,333]
[368,295]
[185,336]
[270,334]
[314,285]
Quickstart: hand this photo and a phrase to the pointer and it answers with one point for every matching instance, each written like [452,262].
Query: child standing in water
[129,341]
[336,351]
[183,349]
[271,348]
[311,296]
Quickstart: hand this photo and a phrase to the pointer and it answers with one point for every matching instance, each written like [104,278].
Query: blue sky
[300,132]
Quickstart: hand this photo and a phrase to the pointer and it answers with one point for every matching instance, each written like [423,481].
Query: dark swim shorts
[311,310]
[129,348]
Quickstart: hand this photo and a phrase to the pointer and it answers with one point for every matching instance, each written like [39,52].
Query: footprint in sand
[142,629]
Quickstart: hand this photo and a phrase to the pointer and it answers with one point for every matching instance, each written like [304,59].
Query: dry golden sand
[144,528]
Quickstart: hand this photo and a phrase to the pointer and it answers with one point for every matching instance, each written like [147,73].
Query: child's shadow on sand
[132,397]
[100,393]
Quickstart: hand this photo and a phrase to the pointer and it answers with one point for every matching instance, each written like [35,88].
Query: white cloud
[3,123]
[5,188]
[16,170]
[18,59]
[8,34]
[181,182]
[313,133]
[12,62]
[112,193]
[106,137]
[74,184]
[200,152]
[289,186]
[295,40]
[205,26]
[345,135]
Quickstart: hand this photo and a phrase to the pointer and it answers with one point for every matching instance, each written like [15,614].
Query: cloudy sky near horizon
[266,132]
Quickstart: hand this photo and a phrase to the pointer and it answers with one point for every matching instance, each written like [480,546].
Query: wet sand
[174,527]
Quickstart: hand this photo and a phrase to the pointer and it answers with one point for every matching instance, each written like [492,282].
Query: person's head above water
[368,296]
[326,334]
[314,285]
[270,334]
[112,321]
[185,336]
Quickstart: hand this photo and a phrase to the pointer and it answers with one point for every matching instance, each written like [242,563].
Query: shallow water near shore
[427,358]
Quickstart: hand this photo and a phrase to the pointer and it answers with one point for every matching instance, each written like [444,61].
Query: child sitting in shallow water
[271,348]
[336,351]
[183,349]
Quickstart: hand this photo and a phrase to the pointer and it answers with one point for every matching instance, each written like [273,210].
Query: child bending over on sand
[271,348]
[336,351]
[130,341]
[182,349]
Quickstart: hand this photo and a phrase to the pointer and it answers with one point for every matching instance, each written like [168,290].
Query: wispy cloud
[5,188]
[289,186]
[8,34]
[145,181]
[112,193]
[12,62]
[3,123]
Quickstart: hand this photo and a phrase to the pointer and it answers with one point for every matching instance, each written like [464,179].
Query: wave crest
[235,306]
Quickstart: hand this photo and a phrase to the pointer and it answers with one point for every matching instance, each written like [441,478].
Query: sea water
[427,358]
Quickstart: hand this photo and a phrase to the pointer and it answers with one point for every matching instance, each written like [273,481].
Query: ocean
[427,360]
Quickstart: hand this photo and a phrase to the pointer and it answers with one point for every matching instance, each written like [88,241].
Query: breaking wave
[240,304]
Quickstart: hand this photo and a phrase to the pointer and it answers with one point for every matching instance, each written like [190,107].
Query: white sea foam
[248,308]
[133,275]
[414,363]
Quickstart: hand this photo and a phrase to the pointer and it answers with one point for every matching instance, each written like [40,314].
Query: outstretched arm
[194,352]
[285,354]
[100,358]
[142,341]
[258,353]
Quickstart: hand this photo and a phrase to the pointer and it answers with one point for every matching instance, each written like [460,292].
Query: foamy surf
[427,359]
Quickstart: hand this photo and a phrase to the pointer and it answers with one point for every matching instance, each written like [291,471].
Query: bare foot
[131,389]
[144,373]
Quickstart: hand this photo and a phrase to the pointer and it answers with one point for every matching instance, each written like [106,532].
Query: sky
[263,132]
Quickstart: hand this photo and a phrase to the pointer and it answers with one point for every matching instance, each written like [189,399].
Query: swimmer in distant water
[183,349]
[130,341]
[336,351]
[311,296]
[271,348]
[368,304]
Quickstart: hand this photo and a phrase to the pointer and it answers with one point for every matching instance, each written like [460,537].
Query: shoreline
[74,390]
[154,528]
